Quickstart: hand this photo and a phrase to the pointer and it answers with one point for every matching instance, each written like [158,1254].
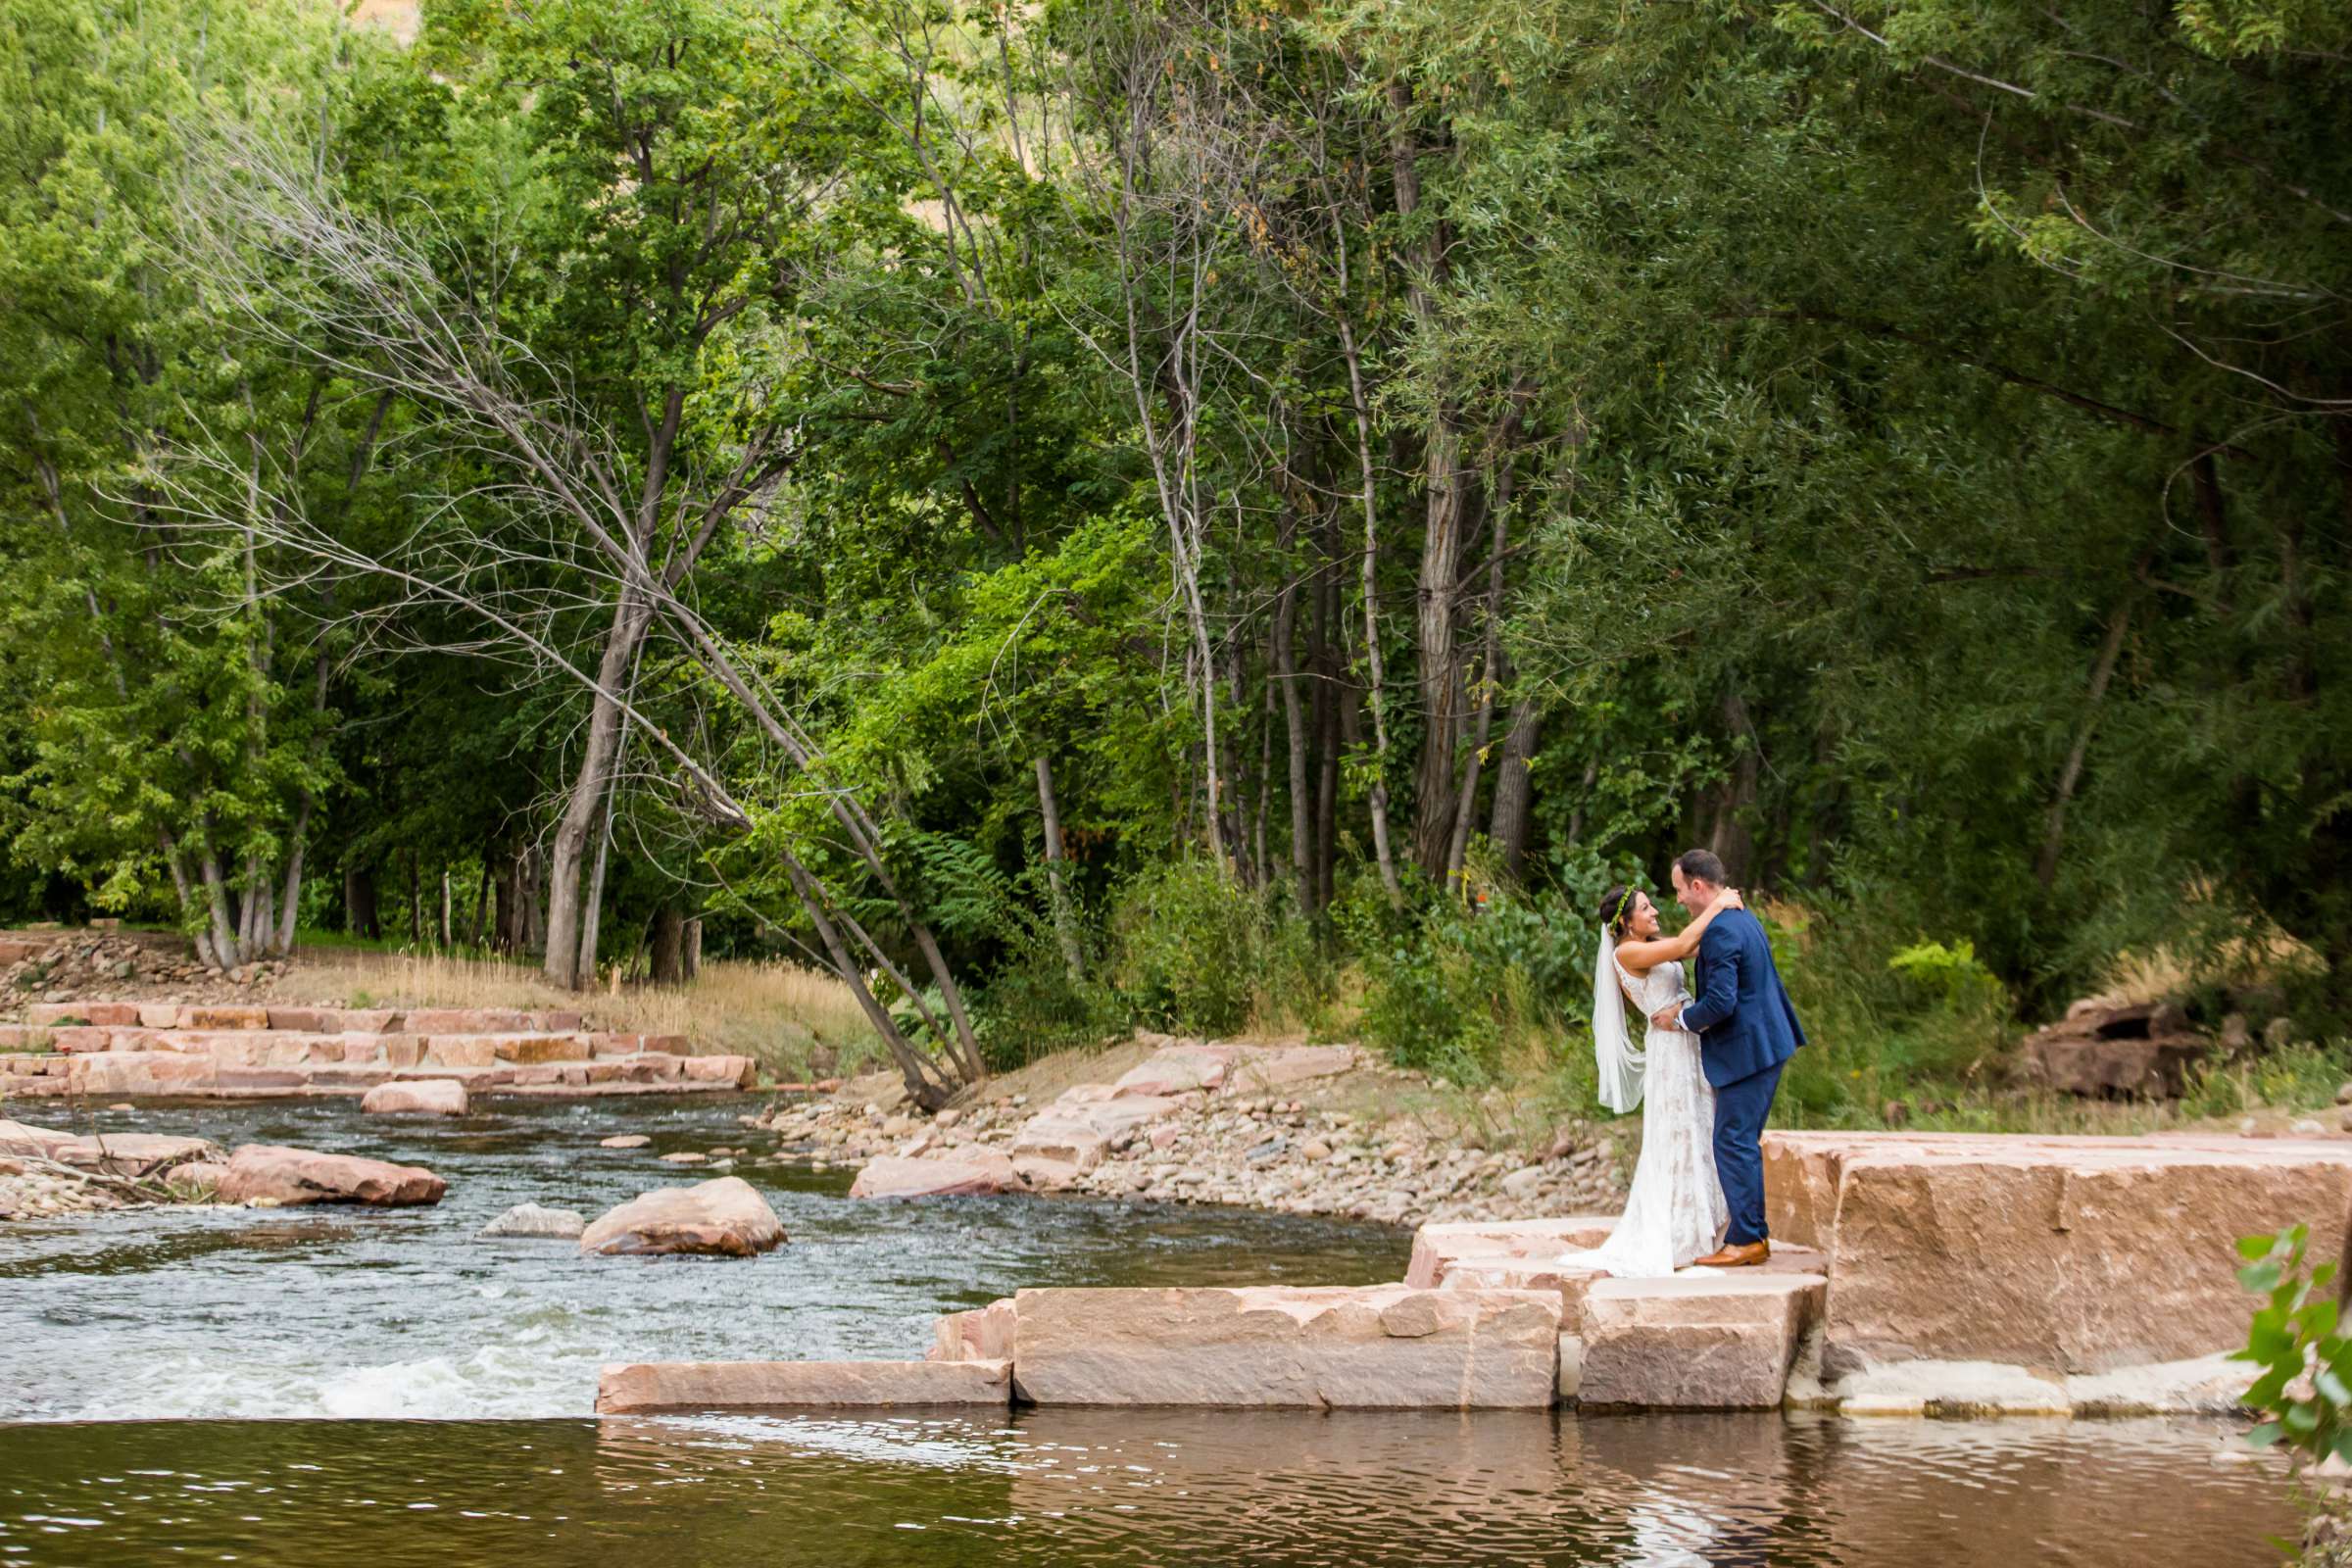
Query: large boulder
[649,1386]
[415,1097]
[531,1222]
[272,1174]
[2101,1051]
[1375,1346]
[727,1217]
[2068,1254]
[967,1172]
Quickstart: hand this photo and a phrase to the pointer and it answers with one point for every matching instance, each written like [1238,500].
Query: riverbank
[1285,1126]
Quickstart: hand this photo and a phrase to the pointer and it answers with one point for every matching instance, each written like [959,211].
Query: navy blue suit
[1747,1033]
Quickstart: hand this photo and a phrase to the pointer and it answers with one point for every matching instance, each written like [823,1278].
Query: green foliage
[2304,1076]
[1192,952]
[2294,1335]
[1454,991]
[1886,1018]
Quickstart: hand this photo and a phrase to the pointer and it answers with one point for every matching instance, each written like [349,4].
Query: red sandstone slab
[140,1072]
[1695,1342]
[2068,1254]
[215,1018]
[1438,1246]
[1373,1346]
[646,1386]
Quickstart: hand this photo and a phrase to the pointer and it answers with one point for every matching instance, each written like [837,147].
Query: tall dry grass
[797,1021]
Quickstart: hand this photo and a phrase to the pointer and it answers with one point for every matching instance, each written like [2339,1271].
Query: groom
[1747,1033]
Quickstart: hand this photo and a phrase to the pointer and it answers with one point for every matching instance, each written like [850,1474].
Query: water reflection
[1082,1488]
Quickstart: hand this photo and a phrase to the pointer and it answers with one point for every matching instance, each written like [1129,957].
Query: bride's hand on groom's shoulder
[1732,898]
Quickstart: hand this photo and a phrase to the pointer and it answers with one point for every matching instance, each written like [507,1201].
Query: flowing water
[349,1387]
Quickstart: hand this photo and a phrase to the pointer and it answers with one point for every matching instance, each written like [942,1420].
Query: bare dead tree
[567,528]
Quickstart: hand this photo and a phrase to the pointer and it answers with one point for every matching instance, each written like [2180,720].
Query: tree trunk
[1445,517]
[585,804]
[1065,917]
[1323,659]
[509,921]
[692,967]
[359,916]
[290,905]
[1283,667]
[416,932]
[2102,670]
[481,899]
[1490,671]
[670,945]
[1731,840]
[1514,784]
[1371,592]
[924,1085]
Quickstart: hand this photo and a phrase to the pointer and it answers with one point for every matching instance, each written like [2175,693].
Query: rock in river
[533,1221]
[978,1171]
[270,1173]
[429,1097]
[726,1216]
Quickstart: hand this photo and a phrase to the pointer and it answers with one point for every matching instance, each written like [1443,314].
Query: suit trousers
[1740,1111]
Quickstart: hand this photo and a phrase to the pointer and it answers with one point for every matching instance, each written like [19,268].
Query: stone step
[1692,1342]
[202,1074]
[305,1020]
[254,1048]
[2070,1255]
[1574,1285]
[1437,1247]
[1384,1347]
[648,1386]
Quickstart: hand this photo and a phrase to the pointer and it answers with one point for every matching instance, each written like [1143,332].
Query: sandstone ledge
[648,1387]
[2076,1255]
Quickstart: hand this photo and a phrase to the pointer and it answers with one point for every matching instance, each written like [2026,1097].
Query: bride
[1676,1211]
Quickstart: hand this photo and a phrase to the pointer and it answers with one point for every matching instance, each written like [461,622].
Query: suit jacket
[1741,1013]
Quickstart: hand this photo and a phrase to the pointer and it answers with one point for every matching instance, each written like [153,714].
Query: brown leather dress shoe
[1739,1254]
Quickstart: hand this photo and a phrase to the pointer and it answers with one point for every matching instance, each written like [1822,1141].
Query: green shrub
[1451,989]
[1190,947]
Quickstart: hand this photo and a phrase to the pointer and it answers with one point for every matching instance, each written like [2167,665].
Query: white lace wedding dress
[1676,1211]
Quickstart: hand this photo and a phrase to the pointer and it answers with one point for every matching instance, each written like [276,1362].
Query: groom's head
[1698,879]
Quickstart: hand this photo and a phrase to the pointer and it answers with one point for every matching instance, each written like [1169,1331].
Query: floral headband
[1617,920]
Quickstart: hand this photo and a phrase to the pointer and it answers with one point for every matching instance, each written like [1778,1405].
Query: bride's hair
[1616,908]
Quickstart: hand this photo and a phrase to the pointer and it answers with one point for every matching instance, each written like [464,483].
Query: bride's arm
[1643,956]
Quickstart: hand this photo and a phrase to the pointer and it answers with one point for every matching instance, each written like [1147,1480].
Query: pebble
[625,1140]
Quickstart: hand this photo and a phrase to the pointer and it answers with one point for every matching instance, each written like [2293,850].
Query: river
[333,1387]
